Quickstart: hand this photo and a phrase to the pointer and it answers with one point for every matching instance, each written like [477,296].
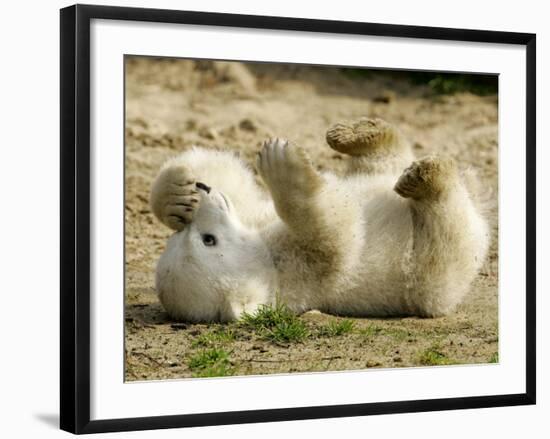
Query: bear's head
[215,268]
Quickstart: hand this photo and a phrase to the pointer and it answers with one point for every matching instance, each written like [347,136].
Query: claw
[203,186]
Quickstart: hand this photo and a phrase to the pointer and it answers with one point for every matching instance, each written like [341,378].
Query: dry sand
[174,104]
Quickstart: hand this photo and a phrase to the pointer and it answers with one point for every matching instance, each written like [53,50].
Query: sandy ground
[173,104]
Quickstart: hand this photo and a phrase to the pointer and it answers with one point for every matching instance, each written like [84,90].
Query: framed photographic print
[285,218]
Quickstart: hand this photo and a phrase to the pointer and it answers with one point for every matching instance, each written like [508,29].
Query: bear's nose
[203,187]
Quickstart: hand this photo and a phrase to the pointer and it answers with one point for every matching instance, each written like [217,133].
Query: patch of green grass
[267,316]
[211,363]
[494,358]
[397,333]
[455,83]
[371,330]
[337,327]
[433,357]
[287,332]
[276,323]
[213,338]
[439,83]
[357,73]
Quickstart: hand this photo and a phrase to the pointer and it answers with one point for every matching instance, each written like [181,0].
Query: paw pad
[175,198]
[361,136]
[426,178]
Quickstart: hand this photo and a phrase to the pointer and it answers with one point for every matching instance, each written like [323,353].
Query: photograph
[293,218]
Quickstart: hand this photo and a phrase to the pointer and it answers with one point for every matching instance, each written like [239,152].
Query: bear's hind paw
[426,178]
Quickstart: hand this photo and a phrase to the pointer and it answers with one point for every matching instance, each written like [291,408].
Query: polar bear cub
[392,237]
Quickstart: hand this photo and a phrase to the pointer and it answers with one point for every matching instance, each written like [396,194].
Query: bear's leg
[290,177]
[174,197]
[374,146]
[323,221]
[450,237]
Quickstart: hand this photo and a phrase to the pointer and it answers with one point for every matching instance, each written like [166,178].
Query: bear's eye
[208,240]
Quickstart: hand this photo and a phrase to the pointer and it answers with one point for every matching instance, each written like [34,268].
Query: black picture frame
[75,217]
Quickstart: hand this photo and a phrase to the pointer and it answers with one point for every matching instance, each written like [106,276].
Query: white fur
[349,246]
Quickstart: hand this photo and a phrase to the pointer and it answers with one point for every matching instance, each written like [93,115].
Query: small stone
[259,348]
[385,97]
[229,132]
[208,133]
[248,125]
[191,124]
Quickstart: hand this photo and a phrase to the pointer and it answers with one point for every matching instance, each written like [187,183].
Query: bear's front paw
[426,178]
[286,167]
[174,197]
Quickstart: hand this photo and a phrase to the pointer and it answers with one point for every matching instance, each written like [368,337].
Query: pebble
[248,125]
[208,133]
[259,348]
[385,97]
